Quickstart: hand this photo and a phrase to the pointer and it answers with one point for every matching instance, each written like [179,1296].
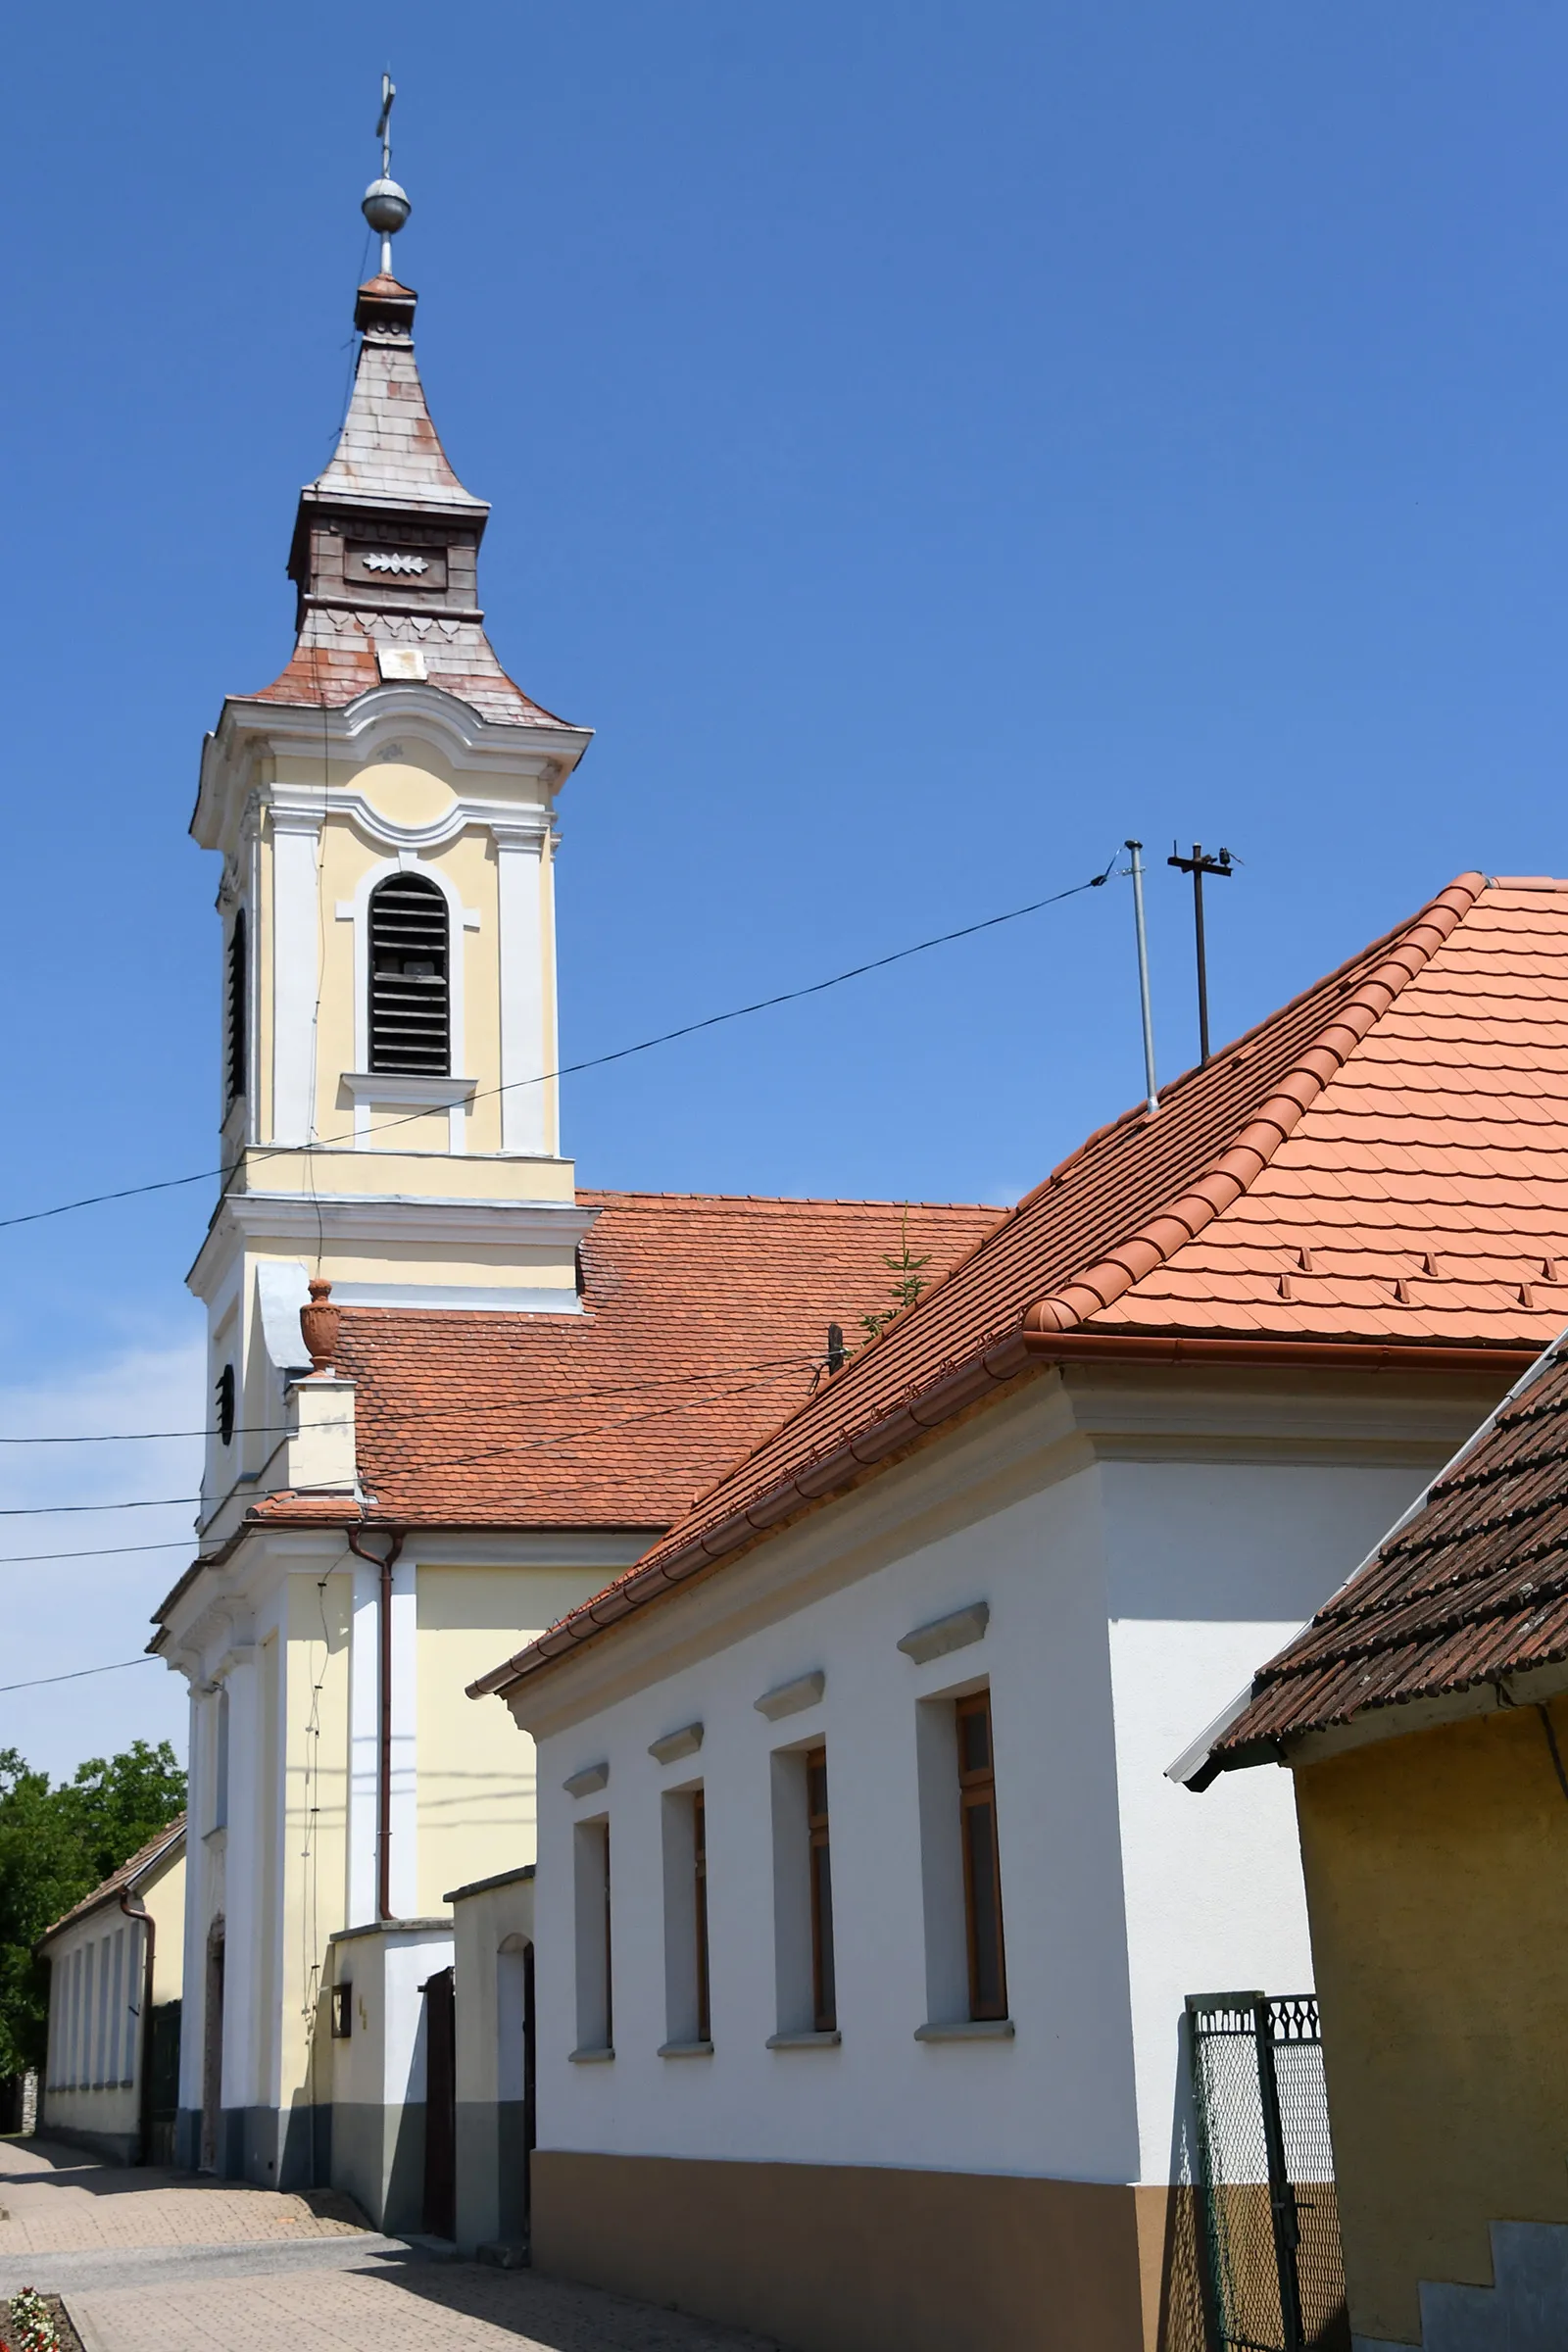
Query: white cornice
[304,806]
[542,755]
[369,1221]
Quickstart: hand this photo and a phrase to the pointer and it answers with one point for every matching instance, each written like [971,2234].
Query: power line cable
[571,1069]
[384,1421]
[775,1369]
[80,1674]
[106,1552]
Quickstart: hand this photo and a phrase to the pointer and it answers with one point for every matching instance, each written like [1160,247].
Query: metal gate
[1271,2229]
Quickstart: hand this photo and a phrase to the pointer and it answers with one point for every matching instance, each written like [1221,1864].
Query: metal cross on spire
[384,129]
[386,205]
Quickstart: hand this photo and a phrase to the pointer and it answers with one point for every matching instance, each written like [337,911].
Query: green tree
[905,1289]
[55,1846]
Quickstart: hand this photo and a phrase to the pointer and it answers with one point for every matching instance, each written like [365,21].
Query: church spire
[384,557]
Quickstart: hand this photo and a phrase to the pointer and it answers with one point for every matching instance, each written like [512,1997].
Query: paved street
[161,2262]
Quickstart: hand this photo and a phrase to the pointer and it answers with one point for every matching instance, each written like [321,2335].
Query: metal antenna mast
[386,205]
[1198,866]
[1136,870]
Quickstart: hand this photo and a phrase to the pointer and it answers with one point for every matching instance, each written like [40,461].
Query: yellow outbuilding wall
[1436,1874]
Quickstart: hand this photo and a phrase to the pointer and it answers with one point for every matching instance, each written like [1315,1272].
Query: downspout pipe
[137,1910]
[383,1741]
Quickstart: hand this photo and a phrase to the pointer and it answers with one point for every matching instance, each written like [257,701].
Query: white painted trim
[296,847]
[407,862]
[524,1099]
[364,1707]
[453,1297]
[369,1222]
[405,1872]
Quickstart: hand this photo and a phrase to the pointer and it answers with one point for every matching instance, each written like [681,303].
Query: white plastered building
[946,1630]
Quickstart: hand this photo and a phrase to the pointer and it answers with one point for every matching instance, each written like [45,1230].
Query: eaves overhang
[957,1390]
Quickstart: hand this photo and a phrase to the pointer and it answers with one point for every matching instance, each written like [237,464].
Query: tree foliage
[55,1846]
[905,1289]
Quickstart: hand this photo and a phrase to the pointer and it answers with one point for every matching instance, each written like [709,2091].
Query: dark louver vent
[236,1008]
[408,1022]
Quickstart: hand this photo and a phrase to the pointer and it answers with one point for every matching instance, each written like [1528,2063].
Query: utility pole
[1136,870]
[1198,866]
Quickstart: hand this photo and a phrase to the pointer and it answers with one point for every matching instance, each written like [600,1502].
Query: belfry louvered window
[410,1022]
[236,1055]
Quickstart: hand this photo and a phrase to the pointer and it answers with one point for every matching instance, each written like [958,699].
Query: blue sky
[927,443]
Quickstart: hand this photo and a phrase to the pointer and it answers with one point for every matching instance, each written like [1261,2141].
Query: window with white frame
[596,2015]
[410,996]
[805,1973]
[965,1953]
[688,2019]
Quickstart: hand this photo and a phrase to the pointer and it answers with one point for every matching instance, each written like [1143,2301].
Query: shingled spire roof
[389,454]
[386,544]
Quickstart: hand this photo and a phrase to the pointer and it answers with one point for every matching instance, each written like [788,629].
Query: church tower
[389,1120]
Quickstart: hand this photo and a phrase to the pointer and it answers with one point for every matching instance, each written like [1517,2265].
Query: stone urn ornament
[319,1324]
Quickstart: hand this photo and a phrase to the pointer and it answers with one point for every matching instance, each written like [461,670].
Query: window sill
[600,2057]
[805,2041]
[968,2029]
[685,2049]
[435,1089]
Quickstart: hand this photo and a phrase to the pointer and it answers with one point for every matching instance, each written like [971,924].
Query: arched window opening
[237,1056]
[226,1405]
[410,1017]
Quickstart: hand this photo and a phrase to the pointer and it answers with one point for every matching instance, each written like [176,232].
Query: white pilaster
[364,1707]
[405,1873]
[296,923]
[242,1924]
[524,1125]
[198,1905]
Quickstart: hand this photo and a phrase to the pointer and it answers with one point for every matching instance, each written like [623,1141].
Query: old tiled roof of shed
[1378,1165]
[121,1880]
[706,1318]
[1469,1589]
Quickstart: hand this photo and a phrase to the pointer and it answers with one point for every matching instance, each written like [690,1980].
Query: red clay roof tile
[705,1320]
[1472,1586]
[1289,1136]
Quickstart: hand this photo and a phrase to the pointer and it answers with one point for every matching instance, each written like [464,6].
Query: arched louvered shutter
[410,1023]
[237,1009]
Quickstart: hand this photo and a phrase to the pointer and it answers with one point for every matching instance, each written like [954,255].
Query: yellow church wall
[316,1789]
[164,1901]
[1437,1875]
[475,1769]
[419,789]
[411,1172]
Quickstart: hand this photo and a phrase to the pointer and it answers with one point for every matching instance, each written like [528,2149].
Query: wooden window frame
[824,1977]
[705,2021]
[977,1789]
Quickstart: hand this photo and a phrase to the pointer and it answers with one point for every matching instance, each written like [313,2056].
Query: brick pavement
[57,2200]
[62,2207]
[436,2307]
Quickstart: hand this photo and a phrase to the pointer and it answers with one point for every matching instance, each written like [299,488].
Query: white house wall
[1134,1574]
[1211,1568]
[1060,2096]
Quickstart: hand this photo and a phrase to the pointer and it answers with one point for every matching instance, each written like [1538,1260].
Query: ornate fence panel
[1276,2276]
